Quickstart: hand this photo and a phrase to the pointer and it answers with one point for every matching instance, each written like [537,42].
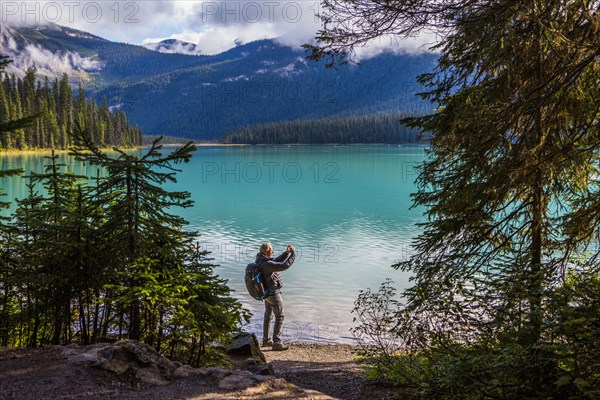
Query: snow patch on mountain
[236,78]
[174,46]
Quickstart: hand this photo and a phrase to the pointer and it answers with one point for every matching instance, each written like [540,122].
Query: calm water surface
[345,208]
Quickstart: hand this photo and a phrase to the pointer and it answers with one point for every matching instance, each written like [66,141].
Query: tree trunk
[83,322]
[135,327]
[97,324]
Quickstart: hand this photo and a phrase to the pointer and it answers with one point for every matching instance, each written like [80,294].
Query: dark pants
[273,305]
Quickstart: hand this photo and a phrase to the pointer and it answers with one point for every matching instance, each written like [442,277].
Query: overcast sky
[215,26]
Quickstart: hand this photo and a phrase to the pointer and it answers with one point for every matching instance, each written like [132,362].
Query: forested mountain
[269,83]
[379,128]
[58,112]
[204,97]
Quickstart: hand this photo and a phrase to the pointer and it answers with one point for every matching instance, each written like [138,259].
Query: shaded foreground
[51,374]
[329,369]
[65,372]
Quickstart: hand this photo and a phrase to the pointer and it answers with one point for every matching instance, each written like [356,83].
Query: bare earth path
[329,369]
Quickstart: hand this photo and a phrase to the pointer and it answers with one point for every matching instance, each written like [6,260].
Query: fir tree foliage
[93,258]
[505,270]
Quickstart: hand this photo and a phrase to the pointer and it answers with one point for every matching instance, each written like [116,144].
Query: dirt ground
[316,372]
[329,369]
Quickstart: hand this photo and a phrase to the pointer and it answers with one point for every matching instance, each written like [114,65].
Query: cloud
[218,26]
[215,26]
[124,21]
[217,39]
[387,44]
[46,62]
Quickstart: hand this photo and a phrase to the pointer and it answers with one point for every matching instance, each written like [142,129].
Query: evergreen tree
[158,275]
[510,188]
[54,252]
[8,266]
[28,96]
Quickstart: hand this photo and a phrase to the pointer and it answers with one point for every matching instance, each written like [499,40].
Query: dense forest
[379,128]
[58,111]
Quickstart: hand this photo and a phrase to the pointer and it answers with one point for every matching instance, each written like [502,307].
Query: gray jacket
[271,267]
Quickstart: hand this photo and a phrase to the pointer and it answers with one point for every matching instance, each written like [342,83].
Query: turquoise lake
[345,208]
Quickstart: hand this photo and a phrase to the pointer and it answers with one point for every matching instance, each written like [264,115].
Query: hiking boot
[278,346]
[267,343]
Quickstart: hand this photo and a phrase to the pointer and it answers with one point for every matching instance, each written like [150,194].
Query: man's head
[266,249]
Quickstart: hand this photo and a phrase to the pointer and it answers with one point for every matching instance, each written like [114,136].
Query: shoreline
[13,152]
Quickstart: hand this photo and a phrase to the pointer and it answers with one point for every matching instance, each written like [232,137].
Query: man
[270,269]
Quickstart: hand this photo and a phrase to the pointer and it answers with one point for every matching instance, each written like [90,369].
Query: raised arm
[276,266]
[282,257]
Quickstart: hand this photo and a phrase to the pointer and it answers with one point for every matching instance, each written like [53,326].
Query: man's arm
[274,266]
[282,257]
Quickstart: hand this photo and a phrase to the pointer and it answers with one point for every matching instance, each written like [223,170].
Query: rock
[219,373]
[251,362]
[84,359]
[84,355]
[239,380]
[150,368]
[139,358]
[246,344]
[186,371]
[266,369]
[151,376]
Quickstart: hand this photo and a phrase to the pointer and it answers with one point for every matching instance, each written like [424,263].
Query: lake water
[345,208]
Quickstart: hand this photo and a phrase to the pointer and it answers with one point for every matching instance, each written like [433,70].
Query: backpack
[255,282]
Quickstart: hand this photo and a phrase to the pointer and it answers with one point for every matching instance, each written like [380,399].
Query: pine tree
[508,188]
[132,223]
[162,286]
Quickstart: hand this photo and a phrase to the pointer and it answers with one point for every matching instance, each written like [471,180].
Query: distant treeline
[379,128]
[58,112]
[166,139]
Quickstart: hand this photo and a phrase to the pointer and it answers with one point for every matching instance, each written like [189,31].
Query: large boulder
[246,345]
[140,359]
[125,356]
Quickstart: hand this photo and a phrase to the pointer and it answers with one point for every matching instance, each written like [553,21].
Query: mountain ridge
[204,97]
